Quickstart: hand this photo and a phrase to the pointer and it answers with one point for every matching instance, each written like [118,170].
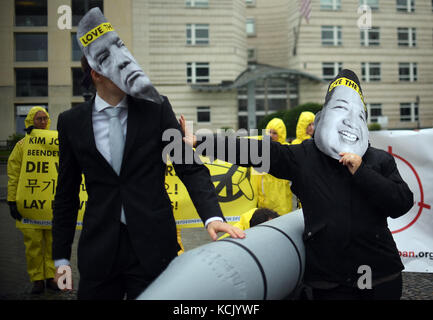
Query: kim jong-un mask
[341,126]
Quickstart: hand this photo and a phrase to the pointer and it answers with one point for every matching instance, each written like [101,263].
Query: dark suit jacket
[345,215]
[140,187]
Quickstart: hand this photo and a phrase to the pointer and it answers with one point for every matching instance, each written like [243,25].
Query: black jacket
[140,188]
[345,215]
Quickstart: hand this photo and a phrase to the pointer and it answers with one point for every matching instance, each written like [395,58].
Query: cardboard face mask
[107,55]
[341,126]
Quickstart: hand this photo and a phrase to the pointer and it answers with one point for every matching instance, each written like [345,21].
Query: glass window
[370,71]
[251,27]
[374,112]
[31,47]
[242,122]
[370,37]
[197,3]
[408,112]
[31,82]
[373,4]
[242,104]
[331,35]
[80,8]
[77,76]
[406,5]
[31,13]
[252,54]
[405,112]
[76,51]
[260,102]
[197,72]
[330,4]
[331,69]
[404,71]
[243,118]
[408,71]
[250,3]
[406,37]
[197,34]
[277,104]
[203,114]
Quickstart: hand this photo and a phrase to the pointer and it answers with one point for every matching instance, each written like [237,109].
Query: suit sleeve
[66,201]
[194,176]
[265,156]
[386,190]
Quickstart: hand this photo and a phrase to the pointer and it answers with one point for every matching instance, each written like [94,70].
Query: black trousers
[390,290]
[126,280]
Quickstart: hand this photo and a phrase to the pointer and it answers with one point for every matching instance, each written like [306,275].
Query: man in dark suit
[129,232]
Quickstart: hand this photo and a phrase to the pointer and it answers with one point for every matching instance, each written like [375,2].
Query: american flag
[305,9]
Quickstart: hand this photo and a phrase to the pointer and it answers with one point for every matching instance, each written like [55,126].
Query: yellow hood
[305,118]
[279,126]
[31,115]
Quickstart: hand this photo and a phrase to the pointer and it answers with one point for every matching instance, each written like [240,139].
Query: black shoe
[38,287]
[51,284]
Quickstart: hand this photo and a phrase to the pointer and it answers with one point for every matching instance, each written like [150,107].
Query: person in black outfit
[348,190]
[262,215]
[129,232]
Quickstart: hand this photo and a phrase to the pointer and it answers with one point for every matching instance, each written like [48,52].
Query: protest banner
[414,158]
[233,187]
[38,180]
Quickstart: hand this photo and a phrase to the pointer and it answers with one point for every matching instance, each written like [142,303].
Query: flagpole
[298,29]
[304,10]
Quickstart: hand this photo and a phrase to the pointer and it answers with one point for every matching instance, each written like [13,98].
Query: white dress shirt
[101,129]
[101,122]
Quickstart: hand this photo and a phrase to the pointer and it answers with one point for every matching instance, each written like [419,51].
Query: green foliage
[290,117]
[374,127]
[13,139]
[10,144]
[262,124]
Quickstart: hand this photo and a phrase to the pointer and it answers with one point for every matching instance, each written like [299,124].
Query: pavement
[15,283]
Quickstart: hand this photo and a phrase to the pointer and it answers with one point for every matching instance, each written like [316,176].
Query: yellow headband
[348,83]
[95,33]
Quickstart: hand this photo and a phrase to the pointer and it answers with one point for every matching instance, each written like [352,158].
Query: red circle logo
[421,203]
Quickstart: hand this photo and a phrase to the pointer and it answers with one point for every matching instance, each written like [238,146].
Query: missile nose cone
[238,269]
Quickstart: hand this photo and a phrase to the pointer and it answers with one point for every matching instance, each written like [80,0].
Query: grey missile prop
[268,264]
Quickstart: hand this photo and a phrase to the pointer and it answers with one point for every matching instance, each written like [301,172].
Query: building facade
[199,53]
[178,43]
[393,58]
[389,44]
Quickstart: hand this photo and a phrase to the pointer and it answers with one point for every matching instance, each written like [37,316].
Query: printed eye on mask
[341,126]
[107,55]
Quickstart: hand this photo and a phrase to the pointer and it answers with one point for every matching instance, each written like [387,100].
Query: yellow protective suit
[305,118]
[244,222]
[273,193]
[179,240]
[38,242]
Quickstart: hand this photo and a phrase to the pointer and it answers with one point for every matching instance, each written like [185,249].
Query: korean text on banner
[38,181]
